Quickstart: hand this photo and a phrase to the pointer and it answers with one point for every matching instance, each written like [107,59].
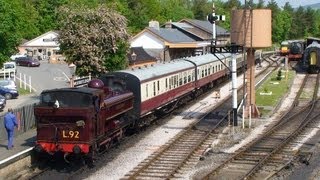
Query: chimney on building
[154,24]
[169,24]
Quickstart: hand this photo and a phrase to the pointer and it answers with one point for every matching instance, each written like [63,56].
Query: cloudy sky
[294,3]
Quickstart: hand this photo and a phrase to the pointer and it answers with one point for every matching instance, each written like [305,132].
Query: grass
[23,91]
[278,88]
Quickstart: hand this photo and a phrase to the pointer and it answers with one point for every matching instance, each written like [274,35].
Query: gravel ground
[127,155]
[234,138]
[149,141]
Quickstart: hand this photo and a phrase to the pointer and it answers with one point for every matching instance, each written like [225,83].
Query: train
[311,57]
[294,49]
[84,121]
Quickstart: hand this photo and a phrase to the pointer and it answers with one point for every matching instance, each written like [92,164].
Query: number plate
[70,134]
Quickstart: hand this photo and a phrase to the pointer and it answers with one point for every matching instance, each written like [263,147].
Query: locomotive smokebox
[251,28]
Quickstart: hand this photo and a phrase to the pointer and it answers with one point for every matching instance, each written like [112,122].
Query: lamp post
[72,68]
[133,57]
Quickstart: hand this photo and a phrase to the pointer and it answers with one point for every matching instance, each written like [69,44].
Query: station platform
[22,144]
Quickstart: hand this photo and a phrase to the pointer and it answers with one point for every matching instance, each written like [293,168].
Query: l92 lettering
[70,134]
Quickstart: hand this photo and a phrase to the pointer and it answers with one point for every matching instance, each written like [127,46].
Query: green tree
[260,4]
[175,10]
[17,22]
[282,25]
[297,27]
[47,10]
[201,8]
[95,40]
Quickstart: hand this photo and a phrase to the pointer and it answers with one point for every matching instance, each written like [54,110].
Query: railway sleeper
[245,161]
[176,155]
[262,148]
[227,174]
[160,168]
[171,159]
[160,171]
[153,175]
[255,153]
[164,163]
[237,168]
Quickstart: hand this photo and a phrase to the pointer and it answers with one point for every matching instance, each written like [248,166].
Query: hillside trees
[95,40]
[16,23]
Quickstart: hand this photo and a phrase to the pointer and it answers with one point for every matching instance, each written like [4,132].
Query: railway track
[265,149]
[193,141]
[185,149]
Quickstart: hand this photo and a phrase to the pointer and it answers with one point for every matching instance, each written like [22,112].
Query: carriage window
[166,83]
[202,73]
[158,86]
[189,78]
[206,72]
[154,88]
[146,90]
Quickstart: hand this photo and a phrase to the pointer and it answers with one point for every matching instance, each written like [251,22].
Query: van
[9,69]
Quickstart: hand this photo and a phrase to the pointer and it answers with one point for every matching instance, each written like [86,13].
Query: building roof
[141,55]
[48,39]
[171,35]
[204,25]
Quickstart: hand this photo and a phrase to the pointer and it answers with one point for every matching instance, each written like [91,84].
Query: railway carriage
[88,119]
[157,85]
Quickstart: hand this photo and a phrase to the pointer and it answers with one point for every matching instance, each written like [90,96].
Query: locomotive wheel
[89,158]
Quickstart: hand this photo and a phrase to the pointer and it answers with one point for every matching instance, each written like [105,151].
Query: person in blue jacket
[10,121]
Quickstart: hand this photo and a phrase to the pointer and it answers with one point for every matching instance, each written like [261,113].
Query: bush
[279,75]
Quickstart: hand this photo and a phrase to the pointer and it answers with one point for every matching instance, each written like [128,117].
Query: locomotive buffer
[233,49]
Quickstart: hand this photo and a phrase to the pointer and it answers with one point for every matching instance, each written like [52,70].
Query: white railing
[25,82]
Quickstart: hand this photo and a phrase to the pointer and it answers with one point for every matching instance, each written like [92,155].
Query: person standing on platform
[10,121]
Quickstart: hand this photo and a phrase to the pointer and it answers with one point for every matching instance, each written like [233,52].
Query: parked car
[9,68]
[27,61]
[14,57]
[7,83]
[8,93]
[3,102]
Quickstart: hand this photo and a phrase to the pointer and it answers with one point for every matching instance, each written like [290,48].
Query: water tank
[251,28]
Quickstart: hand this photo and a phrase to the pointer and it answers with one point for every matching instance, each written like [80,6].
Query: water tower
[251,28]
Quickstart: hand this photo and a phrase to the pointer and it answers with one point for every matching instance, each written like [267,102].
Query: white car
[8,84]
[9,69]
[13,57]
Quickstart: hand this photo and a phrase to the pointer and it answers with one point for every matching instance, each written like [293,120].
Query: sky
[296,3]
[293,3]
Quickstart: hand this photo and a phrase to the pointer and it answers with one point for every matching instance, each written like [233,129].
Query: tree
[201,8]
[260,4]
[18,20]
[95,40]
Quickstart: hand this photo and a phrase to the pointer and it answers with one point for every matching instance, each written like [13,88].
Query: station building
[43,47]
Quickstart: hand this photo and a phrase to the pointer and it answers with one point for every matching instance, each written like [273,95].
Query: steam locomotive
[84,121]
[294,49]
